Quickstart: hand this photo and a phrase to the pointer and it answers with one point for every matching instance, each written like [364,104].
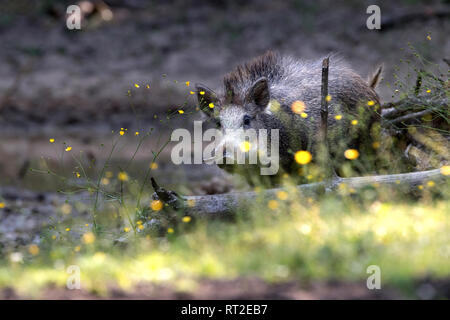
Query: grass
[302,239]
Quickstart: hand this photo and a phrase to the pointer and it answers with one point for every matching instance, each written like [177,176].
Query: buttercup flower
[303,157]
[122,176]
[272,204]
[156,205]
[298,107]
[351,154]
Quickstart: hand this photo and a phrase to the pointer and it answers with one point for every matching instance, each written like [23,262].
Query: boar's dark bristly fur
[251,88]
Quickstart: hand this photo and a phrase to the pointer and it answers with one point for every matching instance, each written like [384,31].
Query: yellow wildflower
[305,229]
[245,146]
[33,249]
[303,157]
[445,170]
[338,117]
[298,107]
[272,204]
[351,154]
[51,140]
[122,176]
[354,122]
[88,238]
[282,195]
[156,205]
[68,149]
[186,219]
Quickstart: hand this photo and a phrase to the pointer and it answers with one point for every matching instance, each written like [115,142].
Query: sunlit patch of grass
[305,240]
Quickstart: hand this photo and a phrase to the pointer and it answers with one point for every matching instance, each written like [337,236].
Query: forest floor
[78,87]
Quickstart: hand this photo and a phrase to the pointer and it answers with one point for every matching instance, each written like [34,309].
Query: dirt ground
[249,289]
[74,81]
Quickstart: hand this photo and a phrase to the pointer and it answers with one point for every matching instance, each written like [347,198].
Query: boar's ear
[205,97]
[259,93]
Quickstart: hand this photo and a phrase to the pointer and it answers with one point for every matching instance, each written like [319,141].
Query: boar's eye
[246,120]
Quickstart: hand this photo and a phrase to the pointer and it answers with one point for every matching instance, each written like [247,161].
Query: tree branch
[222,205]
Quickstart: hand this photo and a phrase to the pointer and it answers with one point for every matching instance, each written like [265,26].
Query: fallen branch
[221,205]
[411,108]
[410,117]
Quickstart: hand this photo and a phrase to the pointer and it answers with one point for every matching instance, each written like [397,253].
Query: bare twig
[323,150]
[447,61]
[410,117]
[393,110]
[418,83]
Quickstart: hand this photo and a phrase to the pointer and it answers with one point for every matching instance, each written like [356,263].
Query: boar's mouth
[233,167]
